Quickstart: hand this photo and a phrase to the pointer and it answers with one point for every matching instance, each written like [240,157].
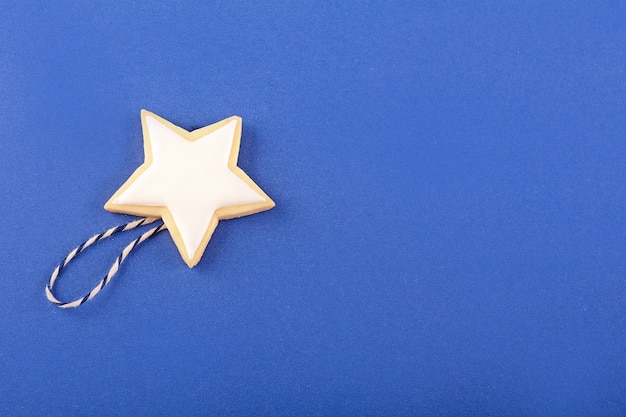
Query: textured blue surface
[449,236]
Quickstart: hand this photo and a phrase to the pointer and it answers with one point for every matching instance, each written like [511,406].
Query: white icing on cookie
[190,178]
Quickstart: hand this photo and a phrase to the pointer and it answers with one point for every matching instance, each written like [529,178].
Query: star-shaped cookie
[191,180]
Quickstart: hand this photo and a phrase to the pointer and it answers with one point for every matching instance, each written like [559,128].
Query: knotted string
[132,245]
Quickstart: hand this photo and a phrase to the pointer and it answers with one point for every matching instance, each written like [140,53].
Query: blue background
[449,236]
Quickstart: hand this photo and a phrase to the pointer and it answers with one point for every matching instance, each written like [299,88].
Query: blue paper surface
[449,236]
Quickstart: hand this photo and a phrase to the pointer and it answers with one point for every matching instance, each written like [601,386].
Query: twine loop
[114,268]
